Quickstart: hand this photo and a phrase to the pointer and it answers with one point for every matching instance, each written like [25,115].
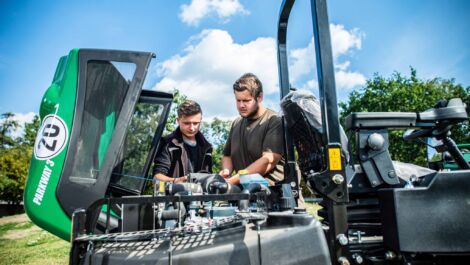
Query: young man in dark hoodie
[185,150]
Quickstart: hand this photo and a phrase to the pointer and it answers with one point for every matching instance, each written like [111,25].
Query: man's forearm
[163,178]
[264,164]
[226,163]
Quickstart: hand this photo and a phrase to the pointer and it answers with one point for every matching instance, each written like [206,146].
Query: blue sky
[202,46]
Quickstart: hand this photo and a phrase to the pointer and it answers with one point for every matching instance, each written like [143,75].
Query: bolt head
[338,179]
[358,259]
[343,261]
[376,141]
[390,255]
[342,239]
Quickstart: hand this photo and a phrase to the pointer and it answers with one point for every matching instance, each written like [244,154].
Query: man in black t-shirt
[255,142]
[185,150]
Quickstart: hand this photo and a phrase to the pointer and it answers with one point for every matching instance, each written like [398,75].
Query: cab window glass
[107,84]
[128,172]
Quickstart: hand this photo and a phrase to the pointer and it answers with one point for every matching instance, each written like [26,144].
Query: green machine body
[91,117]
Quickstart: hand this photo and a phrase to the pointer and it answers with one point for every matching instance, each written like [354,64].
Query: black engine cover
[299,241]
[433,219]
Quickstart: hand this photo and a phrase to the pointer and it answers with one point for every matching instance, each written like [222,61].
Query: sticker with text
[51,137]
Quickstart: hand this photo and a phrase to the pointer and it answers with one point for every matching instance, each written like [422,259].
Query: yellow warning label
[334,157]
[161,187]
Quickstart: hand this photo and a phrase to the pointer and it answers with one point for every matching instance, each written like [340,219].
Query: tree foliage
[140,133]
[15,156]
[30,131]
[217,132]
[406,94]
[178,98]
[9,124]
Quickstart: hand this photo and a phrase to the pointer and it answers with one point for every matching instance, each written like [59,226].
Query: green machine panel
[84,118]
[56,113]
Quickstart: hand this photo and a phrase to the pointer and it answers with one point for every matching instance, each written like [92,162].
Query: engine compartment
[193,223]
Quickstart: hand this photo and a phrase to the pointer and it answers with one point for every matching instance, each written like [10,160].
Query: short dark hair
[249,82]
[189,108]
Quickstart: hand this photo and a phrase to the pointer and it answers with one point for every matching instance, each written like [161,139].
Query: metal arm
[337,214]
[290,168]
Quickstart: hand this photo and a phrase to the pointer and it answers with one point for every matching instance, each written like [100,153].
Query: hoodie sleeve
[162,162]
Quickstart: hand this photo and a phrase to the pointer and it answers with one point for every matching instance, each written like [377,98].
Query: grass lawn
[312,208]
[21,242]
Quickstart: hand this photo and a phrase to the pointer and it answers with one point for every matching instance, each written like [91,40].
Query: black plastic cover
[377,120]
[434,218]
[238,245]
[302,113]
[453,111]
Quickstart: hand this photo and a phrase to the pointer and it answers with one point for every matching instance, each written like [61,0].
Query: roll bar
[336,205]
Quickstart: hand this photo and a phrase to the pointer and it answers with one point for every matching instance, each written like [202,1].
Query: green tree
[406,94]
[15,156]
[7,126]
[140,133]
[14,164]
[178,98]
[217,132]
[30,131]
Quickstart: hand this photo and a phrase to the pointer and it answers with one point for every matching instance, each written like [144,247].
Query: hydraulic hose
[252,188]
[183,187]
[218,187]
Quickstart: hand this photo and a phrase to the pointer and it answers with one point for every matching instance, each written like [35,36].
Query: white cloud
[310,85]
[24,117]
[21,118]
[344,42]
[301,61]
[209,65]
[342,66]
[349,80]
[212,61]
[193,13]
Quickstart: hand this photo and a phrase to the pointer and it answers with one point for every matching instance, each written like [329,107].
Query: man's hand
[227,166]
[234,180]
[181,179]
[225,173]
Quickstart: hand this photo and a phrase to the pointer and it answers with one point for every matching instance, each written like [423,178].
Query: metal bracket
[375,158]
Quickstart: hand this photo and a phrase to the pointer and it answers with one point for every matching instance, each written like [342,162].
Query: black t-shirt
[248,139]
[193,156]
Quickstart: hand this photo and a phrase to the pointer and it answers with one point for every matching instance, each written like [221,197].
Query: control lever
[414,134]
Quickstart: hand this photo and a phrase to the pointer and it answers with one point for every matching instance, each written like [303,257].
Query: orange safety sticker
[334,158]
